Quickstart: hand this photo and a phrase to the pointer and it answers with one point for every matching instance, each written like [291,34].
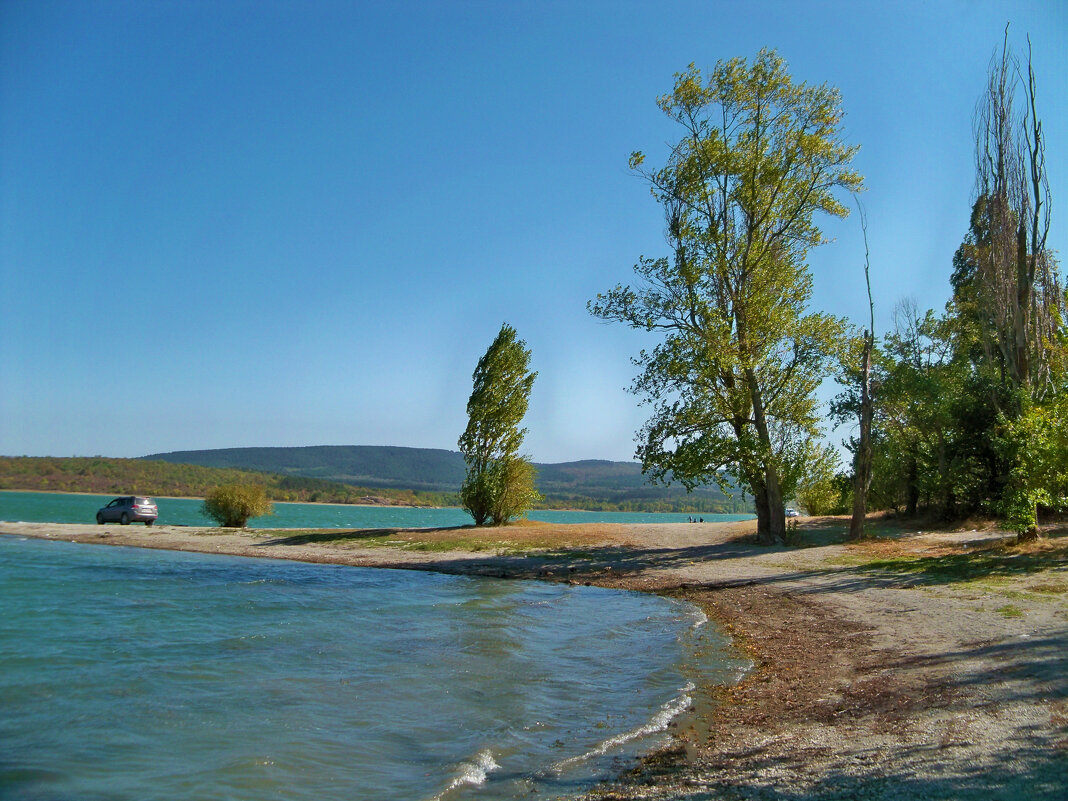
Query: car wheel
[125,519]
[99,519]
[149,522]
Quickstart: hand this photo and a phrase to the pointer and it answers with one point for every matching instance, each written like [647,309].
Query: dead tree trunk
[862,457]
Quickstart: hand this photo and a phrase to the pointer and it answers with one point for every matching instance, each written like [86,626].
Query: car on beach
[129,509]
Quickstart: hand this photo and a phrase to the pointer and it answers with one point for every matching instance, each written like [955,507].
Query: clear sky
[264,223]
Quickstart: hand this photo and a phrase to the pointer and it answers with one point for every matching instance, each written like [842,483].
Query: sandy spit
[867,685]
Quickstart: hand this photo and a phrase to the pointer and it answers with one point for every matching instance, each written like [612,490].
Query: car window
[115,502]
[142,501]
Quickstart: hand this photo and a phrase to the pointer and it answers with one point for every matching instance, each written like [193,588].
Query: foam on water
[658,723]
[473,773]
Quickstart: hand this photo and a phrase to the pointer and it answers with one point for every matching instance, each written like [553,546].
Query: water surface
[142,674]
[46,507]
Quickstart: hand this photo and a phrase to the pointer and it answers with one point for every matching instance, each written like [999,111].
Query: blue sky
[298,223]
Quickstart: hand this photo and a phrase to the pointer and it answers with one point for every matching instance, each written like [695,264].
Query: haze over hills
[436,470]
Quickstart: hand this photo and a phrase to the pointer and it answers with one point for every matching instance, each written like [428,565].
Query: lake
[130,674]
[47,507]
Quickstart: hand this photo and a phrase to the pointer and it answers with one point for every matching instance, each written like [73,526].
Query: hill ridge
[585,482]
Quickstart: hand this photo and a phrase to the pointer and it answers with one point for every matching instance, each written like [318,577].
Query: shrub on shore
[231,505]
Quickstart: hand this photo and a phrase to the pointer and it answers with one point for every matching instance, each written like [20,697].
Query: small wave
[471,773]
[658,723]
[700,618]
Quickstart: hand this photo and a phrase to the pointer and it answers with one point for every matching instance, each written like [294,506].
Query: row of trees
[959,412]
[971,402]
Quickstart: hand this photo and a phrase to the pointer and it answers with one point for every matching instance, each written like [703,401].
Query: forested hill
[586,484]
[362,465]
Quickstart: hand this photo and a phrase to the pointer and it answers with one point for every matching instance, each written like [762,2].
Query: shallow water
[45,507]
[135,674]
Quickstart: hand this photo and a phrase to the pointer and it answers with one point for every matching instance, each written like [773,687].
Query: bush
[231,505]
[515,490]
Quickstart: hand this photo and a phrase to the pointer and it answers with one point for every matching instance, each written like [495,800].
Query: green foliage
[732,385]
[1035,444]
[477,495]
[513,478]
[231,505]
[817,490]
[499,482]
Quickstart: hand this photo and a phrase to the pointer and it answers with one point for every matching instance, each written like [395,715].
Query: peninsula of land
[915,664]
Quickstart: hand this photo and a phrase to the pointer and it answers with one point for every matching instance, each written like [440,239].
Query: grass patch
[988,567]
[1049,589]
[1010,611]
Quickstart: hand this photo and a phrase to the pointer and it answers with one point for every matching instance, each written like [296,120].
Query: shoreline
[864,683]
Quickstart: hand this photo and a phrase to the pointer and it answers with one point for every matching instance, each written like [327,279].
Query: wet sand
[867,683]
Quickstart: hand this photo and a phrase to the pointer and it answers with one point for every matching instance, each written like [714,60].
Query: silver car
[129,509]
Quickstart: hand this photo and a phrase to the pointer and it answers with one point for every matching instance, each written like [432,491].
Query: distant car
[792,513]
[129,509]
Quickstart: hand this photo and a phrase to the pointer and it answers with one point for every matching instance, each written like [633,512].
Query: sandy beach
[920,665]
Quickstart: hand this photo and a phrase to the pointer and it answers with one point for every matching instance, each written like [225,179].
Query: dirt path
[870,682]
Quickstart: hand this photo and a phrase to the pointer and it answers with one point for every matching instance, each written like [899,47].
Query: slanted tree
[499,482]
[732,383]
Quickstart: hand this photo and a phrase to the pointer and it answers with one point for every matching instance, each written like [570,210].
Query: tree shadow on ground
[340,536]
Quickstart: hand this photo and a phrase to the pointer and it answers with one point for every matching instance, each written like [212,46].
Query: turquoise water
[45,507]
[137,674]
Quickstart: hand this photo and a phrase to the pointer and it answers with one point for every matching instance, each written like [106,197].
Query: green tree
[499,482]
[817,489]
[1009,306]
[1036,445]
[231,505]
[732,384]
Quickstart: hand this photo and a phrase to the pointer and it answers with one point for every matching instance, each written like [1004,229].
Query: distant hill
[592,484]
[104,476]
[361,465]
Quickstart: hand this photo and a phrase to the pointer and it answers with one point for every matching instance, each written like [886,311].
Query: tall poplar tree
[732,383]
[499,482]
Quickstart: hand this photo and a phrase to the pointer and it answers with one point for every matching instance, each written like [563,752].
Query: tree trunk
[760,500]
[912,490]
[774,532]
[862,458]
[862,469]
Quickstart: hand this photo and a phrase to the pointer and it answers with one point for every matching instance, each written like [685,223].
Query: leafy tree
[732,384]
[1010,305]
[817,491]
[1036,444]
[231,505]
[499,482]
